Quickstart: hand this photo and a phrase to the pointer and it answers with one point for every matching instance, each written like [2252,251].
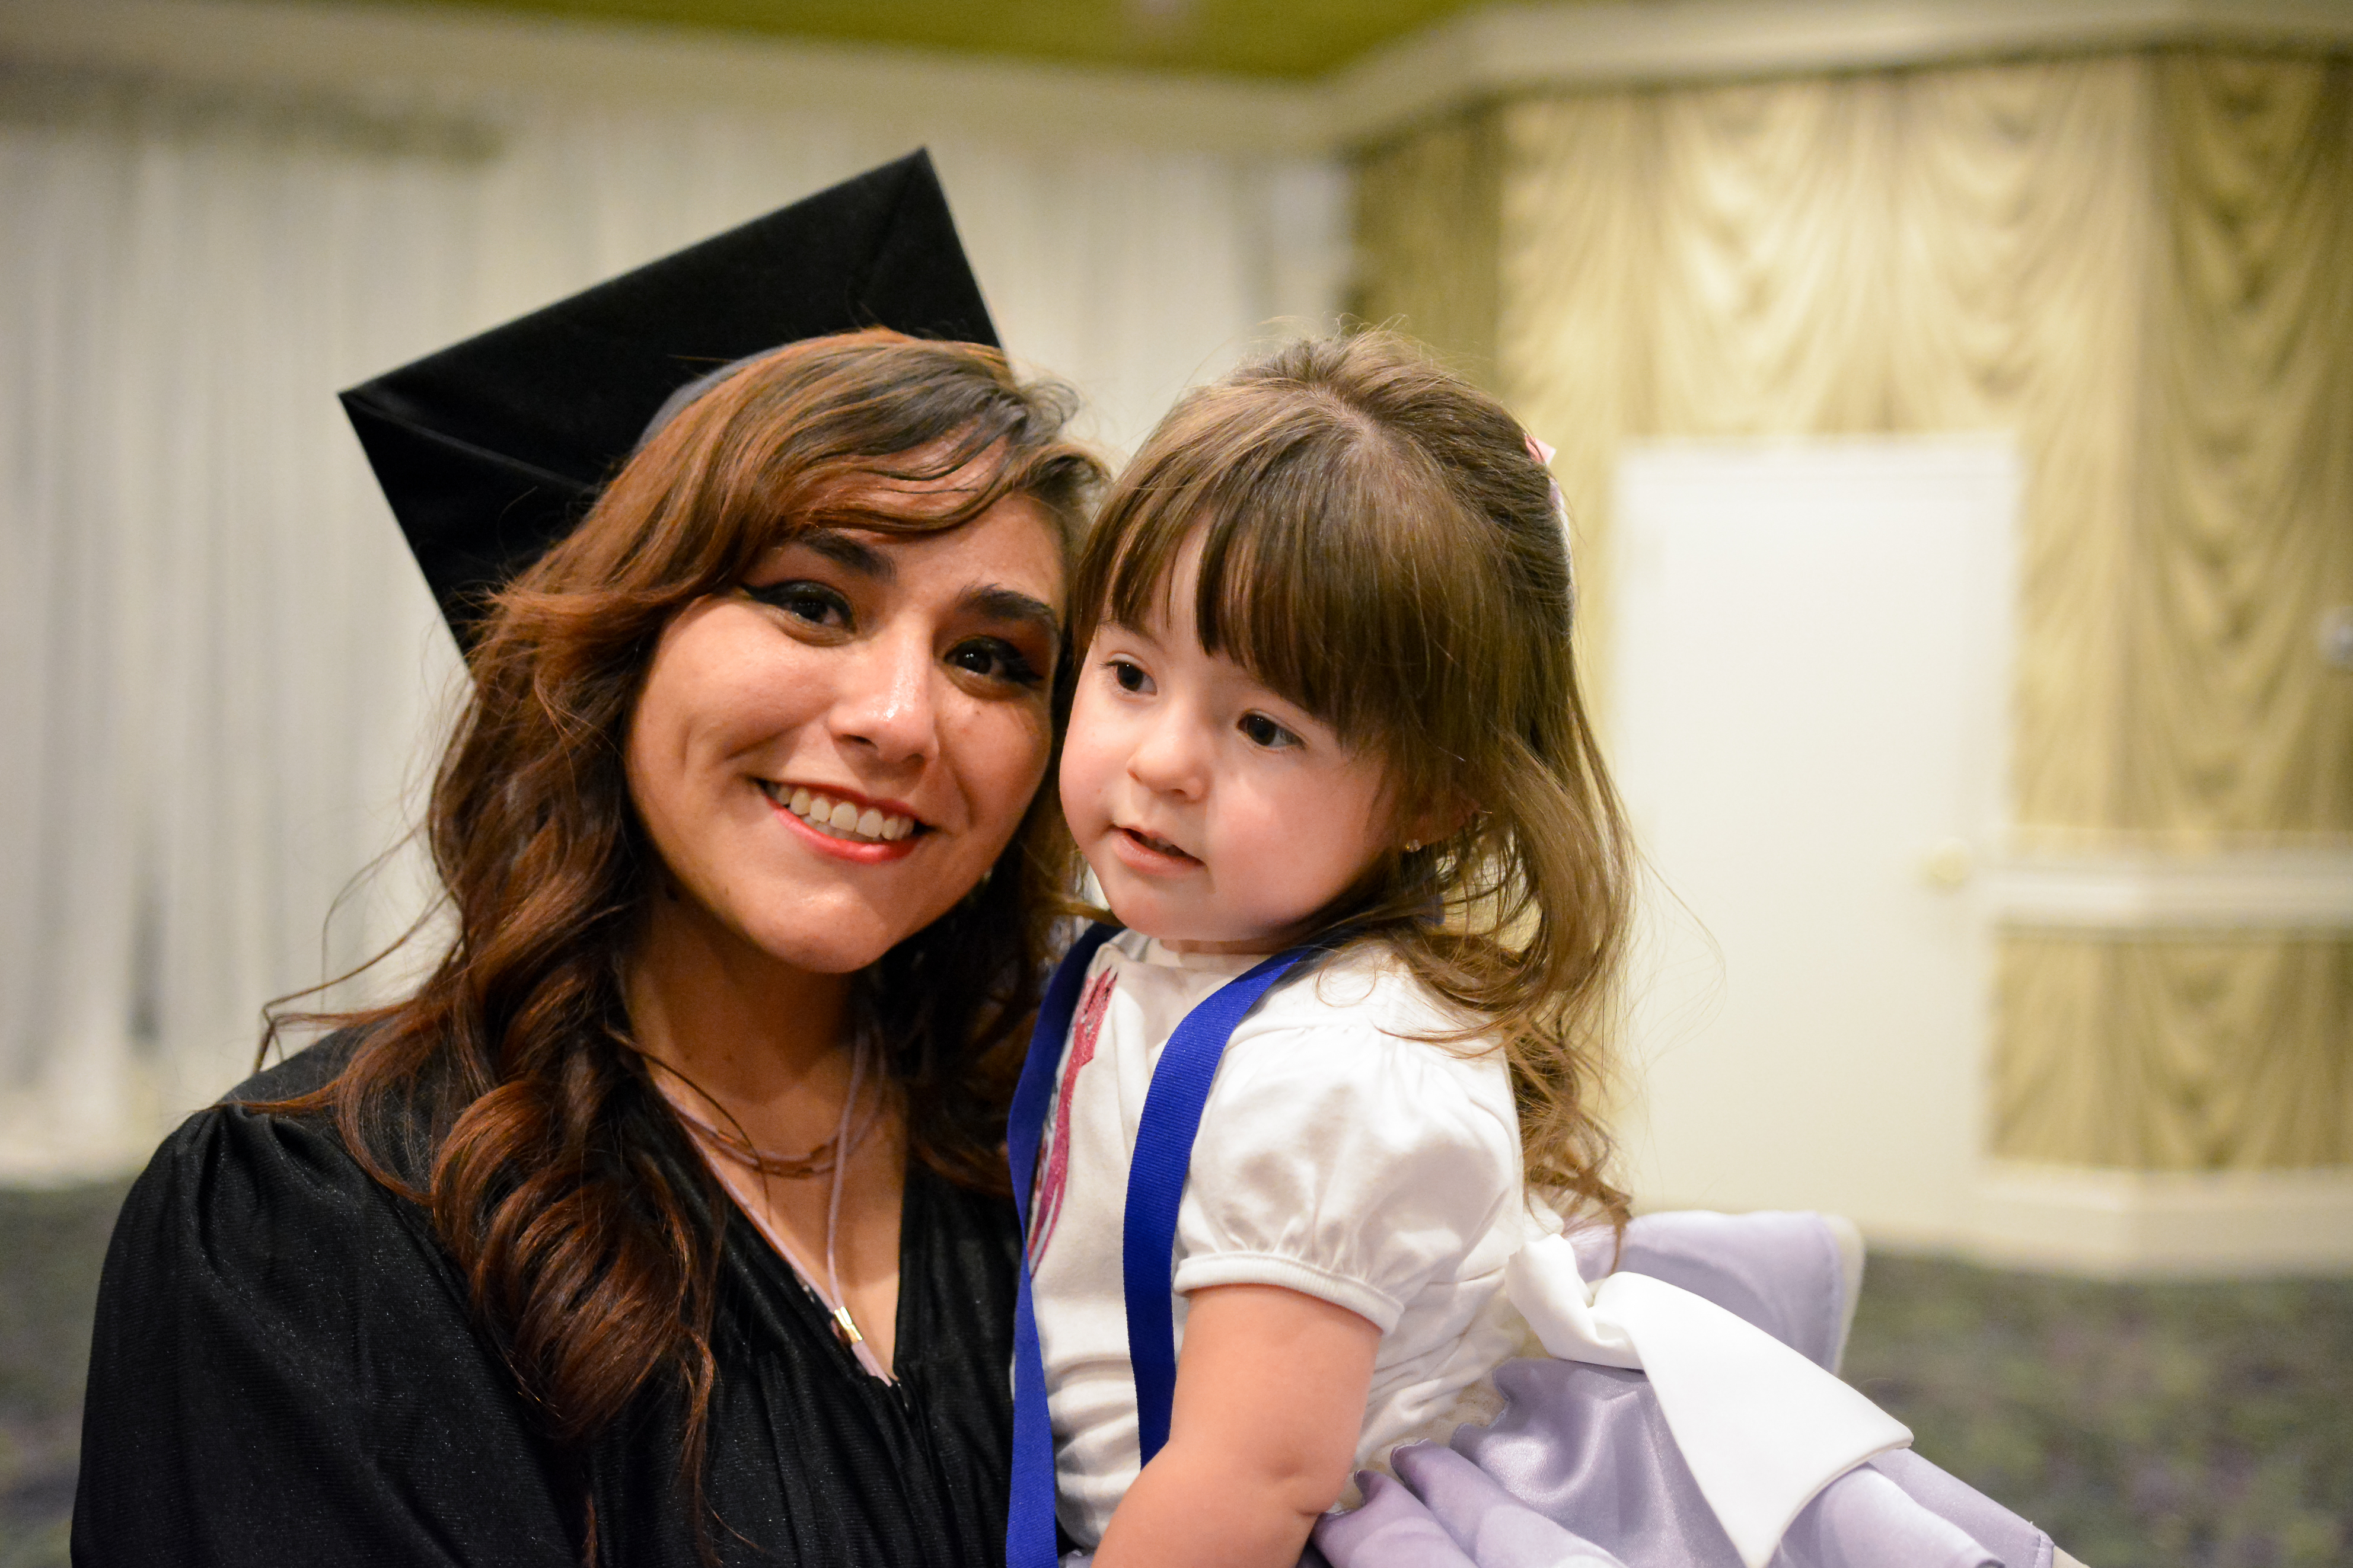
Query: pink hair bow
[1544,454]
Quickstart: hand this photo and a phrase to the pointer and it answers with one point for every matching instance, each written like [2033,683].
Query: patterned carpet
[51,1245]
[2144,1426]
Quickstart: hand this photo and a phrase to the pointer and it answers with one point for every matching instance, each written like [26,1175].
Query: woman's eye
[1130,676]
[994,658]
[812,602]
[1262,731]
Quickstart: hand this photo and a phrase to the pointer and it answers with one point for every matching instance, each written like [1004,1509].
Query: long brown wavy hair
[506,1095]
[1380,545]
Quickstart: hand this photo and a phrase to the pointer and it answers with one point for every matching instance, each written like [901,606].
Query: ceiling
[1270,39]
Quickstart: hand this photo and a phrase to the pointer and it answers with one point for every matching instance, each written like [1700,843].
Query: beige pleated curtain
[2142,264]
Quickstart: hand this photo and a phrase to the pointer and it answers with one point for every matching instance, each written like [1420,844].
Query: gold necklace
[827,1159]
[817,1162]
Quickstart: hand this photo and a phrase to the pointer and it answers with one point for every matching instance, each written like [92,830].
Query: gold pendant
[844,1328]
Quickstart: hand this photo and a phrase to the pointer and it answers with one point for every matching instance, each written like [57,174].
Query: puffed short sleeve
[1348,1164]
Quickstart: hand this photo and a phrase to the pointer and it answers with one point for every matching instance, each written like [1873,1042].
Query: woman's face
[827,759]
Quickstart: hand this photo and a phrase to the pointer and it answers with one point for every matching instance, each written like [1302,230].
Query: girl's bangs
[1281,589]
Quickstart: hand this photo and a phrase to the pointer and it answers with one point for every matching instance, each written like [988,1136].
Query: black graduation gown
[285,1369]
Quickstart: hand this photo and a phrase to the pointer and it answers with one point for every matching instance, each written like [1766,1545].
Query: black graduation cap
[491,451]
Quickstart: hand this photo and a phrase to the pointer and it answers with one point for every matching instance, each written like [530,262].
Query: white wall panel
[1810,721]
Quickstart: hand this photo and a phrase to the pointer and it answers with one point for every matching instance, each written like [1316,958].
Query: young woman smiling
[742,838]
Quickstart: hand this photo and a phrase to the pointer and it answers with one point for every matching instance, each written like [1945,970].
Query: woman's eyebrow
[850,553]
[998,604]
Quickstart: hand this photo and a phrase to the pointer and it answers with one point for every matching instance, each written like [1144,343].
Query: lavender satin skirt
[1579,1470]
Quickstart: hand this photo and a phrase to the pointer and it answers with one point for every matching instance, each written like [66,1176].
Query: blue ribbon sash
[1156,1186]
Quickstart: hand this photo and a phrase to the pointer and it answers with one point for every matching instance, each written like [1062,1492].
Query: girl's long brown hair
[506,1095]
[1379,545]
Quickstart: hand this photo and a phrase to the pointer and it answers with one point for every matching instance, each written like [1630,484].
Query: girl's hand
[1270,1390]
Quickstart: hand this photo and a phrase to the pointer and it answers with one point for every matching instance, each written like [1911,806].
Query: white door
[1808,720]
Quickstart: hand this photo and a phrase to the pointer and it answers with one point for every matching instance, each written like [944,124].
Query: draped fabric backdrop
[1428,230]
[2137,263]
[223,679]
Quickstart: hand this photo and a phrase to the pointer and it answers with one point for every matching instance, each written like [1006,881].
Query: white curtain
[222,679]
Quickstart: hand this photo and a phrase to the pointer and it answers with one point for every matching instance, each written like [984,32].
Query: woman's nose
[886,703]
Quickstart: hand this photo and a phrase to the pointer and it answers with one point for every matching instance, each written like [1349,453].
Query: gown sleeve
[284,1369]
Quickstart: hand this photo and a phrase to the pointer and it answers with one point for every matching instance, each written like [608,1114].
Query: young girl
[1327,709]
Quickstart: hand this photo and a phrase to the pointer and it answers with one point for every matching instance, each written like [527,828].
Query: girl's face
[1217,815]
[829,758]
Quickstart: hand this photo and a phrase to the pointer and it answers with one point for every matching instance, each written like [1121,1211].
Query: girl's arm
[1271,1389]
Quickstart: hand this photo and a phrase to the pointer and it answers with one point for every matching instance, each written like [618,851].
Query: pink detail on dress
[1055,1172]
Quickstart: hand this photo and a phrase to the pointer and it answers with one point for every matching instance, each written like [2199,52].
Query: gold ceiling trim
[1504,50]
[383,51]
[390,52]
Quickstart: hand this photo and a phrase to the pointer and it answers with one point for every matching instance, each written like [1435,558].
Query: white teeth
[841,819]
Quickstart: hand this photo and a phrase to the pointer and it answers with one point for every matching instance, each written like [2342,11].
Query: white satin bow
[1762,1428]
